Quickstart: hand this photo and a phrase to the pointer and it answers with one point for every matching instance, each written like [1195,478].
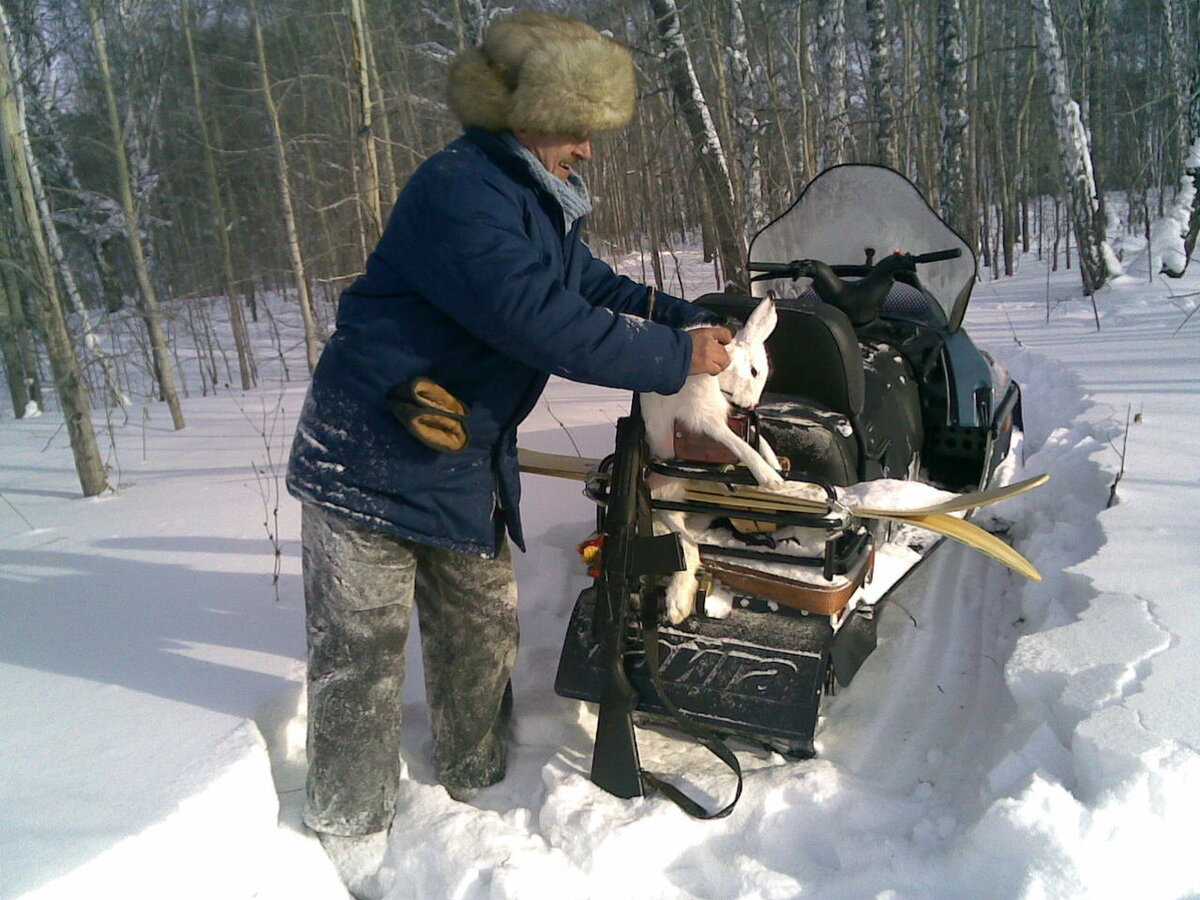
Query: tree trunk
[706,144]
[312,340]
[87,220]
[779,156]
[149,297]
[19,163]
[1075,156]
[1185,83]
[651,207]
[1192,172]
[831,55]
[881,83]
[53,241]
[366,122]
[13,328]
[974,21]
[952,109]
[220,222]
[745,119]
[387,174]
[1006,213]
[1192,161]
[1093,108]
[808,95]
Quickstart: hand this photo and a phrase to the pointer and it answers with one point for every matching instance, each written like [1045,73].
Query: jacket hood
[541,72]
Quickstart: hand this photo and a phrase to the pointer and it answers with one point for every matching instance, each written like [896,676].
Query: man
[478,290]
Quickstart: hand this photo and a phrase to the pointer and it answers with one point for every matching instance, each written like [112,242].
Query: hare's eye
[753,372]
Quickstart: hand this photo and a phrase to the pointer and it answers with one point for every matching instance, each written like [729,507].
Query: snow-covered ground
[1007,739]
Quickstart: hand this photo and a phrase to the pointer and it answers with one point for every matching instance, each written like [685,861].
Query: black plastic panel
[758,675]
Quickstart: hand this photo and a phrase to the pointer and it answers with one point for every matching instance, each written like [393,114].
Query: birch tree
[366,123]
[91,341]
[1185,83]
[953,117]
[16,351]
[92,217]
[148,295]
[807,95]
[778,150]
[831,57]
[216,204]
[881,83]
[387,173]
[706,143]
[941,89]
[19,164]
[312,339]
[1075,156]
[467,20]
[745,119]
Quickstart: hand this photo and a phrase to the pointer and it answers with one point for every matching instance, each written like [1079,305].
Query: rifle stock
[615,763]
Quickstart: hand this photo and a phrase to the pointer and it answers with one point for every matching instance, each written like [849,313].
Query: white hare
[702,405]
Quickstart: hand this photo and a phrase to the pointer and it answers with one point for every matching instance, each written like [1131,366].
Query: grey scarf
[572,194]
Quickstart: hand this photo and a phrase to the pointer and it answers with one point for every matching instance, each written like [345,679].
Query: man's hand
[708,350]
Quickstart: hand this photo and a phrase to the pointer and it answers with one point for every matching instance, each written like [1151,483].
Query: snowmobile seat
[813,351]
[815,358]
[910,304]
[816,391]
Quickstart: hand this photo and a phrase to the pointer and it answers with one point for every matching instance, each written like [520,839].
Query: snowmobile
[872,377]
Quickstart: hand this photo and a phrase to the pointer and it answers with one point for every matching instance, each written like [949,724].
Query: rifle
[629,553]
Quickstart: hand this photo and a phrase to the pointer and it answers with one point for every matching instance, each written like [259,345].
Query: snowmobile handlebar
[802,268]
[938,255]
[860,299]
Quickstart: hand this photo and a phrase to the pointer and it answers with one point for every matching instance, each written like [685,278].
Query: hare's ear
[760,324]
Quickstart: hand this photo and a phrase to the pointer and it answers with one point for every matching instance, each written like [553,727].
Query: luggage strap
[706,736]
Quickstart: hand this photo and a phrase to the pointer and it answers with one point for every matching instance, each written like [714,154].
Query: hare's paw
[766,476]
[768,454]
[718,603]
[681,596]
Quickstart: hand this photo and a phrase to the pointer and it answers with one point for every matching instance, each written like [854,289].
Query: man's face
[558,152]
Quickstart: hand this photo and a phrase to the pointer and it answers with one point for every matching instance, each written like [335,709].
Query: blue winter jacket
[475,285]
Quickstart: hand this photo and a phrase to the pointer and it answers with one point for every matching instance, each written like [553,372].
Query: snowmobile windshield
[846,210]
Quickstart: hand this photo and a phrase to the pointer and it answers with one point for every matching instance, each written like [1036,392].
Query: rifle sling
[705,736]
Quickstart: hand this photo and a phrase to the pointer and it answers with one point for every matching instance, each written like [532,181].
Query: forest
[164,158]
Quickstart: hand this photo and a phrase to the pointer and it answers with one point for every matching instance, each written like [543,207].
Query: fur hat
[540,72]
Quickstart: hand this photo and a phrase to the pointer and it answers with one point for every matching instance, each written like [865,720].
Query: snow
[1007,739]
[890,494]
[1165,251]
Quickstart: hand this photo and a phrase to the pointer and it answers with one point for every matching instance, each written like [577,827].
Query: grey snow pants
[359,587]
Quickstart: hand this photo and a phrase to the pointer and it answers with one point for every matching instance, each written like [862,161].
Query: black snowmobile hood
[849,208]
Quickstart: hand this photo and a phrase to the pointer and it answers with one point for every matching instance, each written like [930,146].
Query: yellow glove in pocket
[432,415]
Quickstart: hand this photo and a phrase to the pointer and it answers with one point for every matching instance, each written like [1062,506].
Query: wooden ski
[560,465]
[767,499]
[939,522]
[957,503]
[557,465]
[973,536]
[932,517]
